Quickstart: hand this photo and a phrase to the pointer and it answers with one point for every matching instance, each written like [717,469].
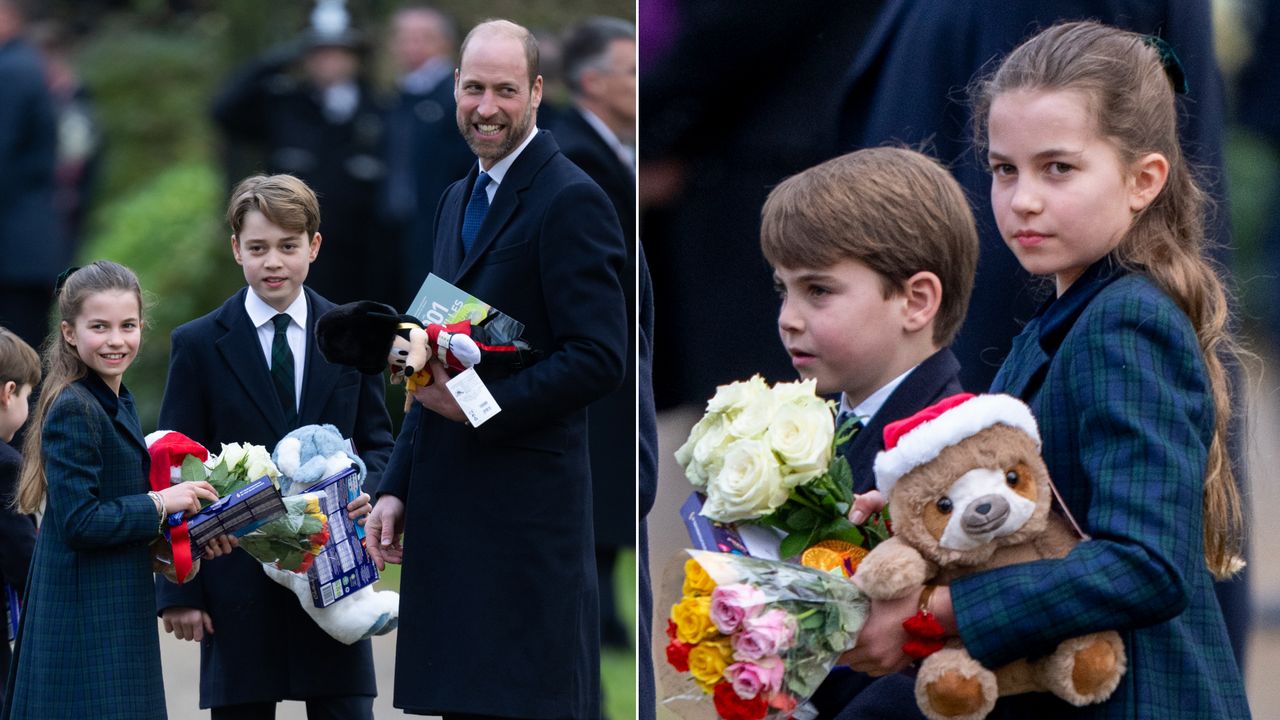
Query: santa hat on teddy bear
[918,439]
[168,449]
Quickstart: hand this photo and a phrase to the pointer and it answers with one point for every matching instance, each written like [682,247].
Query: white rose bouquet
[767,455]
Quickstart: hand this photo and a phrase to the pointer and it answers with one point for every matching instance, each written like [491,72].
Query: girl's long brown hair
[1131,98]
[63,367]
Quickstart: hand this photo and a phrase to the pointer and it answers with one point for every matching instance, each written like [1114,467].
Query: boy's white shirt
[260,314]
[868,408]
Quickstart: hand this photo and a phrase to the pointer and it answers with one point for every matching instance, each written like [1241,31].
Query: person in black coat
[19,374]
[307,107]
[425,154]
[33,248]
[499,609]
[257,645]
[597,134]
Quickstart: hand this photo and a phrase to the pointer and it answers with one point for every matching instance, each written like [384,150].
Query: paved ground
[667,536]
[182,672]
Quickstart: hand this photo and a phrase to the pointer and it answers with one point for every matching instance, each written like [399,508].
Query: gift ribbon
[161,477]
[180,539]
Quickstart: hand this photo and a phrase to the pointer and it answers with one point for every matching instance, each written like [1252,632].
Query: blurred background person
[597,133]
[79,132]
[309,108]
[33,249]
[425,153]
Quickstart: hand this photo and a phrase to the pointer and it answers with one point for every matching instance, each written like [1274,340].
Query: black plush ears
[358,335]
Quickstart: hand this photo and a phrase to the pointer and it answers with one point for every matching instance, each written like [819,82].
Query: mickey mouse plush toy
[370,336]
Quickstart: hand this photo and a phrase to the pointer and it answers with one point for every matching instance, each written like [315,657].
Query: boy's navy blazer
[1114,374]
[219,391]
[502,513]
[934,379]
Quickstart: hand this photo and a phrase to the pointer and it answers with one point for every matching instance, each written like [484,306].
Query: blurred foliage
[169,232]
[1253,176]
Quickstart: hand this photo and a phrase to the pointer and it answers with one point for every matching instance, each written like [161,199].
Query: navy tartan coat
[1115,377]
[88,645]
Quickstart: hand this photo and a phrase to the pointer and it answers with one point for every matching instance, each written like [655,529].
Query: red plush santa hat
[918,439]
[168,449]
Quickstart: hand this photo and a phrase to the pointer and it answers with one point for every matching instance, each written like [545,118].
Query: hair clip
[62,279]
[1169,60]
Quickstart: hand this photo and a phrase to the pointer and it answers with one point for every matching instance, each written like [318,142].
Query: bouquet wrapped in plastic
[752,638]
[290,539]
[767,454]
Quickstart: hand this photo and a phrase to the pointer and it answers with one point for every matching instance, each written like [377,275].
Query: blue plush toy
[305,457]
[310,454]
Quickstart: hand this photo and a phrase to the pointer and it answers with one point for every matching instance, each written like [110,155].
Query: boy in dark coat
[250,372]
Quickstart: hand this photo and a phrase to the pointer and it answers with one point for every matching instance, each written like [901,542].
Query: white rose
[733,397]
[801,434]
[748,486]
[258,463]
[231,455]
[753,417]
[799,391]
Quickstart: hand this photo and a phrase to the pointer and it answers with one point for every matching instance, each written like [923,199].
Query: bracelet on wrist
[159,503]
[924,631]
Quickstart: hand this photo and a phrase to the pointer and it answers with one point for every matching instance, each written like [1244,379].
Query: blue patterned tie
[477,208]
[282,369]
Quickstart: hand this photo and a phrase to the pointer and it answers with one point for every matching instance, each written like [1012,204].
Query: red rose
[671,629]
[678,655]
[731,707]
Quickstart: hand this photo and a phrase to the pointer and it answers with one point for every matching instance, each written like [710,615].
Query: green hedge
[170,232]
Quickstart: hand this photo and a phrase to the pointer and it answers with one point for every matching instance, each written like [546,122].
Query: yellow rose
[693,619]
[696,580]
[707,661]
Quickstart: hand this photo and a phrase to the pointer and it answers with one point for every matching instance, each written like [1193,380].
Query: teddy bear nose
[985,514]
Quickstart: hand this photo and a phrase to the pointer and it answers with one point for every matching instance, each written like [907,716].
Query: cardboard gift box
[343,565]
[241,512]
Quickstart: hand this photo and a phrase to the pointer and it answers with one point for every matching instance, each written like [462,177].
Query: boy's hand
[384,530]
[187,623]
[436,397]
[879,648]
[220,545]
[358,508]
[865,505]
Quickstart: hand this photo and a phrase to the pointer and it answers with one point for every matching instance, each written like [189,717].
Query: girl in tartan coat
[88,644]
[1123,371]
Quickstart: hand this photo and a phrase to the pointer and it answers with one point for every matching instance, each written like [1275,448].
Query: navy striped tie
[477,208]
[282,369]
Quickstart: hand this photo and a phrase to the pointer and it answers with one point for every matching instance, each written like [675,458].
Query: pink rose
[767,634]
[750,679]
[731,604]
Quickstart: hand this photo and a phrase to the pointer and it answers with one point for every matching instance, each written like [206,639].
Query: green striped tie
[282,369]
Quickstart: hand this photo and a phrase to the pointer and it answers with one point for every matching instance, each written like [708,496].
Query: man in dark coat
[598,135]
[425,154]
[32,246]
[499,607]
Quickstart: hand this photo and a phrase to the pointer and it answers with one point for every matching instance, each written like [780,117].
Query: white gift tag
[473,397]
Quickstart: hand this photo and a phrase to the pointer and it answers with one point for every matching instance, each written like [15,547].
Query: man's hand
[384,530]
[187,623]
[436,397]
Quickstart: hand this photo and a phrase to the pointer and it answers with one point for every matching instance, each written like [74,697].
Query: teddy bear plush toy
[968,491]
[306,456]
[371,336]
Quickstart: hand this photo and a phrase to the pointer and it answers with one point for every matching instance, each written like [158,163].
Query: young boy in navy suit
[19,375]
[250,372]
[874,255]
